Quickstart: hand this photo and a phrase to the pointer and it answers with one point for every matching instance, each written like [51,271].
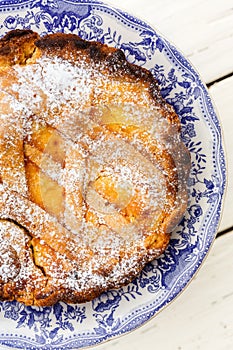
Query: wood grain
[202,29]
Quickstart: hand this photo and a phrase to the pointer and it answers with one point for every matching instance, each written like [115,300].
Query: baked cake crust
[93,171]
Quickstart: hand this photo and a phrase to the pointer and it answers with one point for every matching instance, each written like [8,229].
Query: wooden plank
[222,96]
[200,318]
[202,29]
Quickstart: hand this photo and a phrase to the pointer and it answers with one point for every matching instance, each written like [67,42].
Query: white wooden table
[202,317]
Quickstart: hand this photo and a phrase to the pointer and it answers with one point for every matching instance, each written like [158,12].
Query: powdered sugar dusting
[82,187]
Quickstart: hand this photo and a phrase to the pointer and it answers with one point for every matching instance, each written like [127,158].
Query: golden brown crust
[17,47]
[99,172]
[71,46]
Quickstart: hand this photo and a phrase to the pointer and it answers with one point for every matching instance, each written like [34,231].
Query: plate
[120,311]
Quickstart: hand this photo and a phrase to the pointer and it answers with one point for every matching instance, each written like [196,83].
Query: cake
[93,172]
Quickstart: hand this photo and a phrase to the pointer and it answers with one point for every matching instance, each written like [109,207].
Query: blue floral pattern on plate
[120,311]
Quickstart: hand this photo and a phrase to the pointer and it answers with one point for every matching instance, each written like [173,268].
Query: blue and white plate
[120,311]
